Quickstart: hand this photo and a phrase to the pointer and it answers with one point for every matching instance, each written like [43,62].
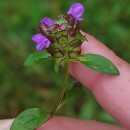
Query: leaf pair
[92,61]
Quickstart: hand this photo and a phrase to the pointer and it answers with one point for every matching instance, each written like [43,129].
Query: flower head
[63,33]
[41,41]
[76,10]
[47,21]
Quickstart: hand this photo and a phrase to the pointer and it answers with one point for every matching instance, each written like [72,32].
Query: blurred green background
[38,86]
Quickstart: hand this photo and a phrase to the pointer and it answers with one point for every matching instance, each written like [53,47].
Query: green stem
[52,112]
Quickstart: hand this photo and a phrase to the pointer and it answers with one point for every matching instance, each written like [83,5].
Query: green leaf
[99,63]
[36,58]
[57,65]
[72,94]
[29,119]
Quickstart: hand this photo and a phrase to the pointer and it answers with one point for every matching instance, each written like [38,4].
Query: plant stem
[52,112]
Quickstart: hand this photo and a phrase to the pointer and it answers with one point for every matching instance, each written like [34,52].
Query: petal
[39,46]
[47,44]
[39,38]
[47,21]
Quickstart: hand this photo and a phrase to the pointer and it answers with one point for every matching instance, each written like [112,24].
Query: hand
[112,92]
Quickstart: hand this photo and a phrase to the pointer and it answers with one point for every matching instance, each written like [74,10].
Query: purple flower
[76,10]
[47,21]
[41,41]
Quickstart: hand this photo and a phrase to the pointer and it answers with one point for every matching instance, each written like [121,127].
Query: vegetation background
[38,86]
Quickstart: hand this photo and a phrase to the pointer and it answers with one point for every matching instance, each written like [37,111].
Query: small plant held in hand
[60,40]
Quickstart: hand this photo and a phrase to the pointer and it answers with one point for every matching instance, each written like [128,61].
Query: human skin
[112,92]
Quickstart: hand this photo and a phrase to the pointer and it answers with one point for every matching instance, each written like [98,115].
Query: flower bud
[76,10]
[47,21]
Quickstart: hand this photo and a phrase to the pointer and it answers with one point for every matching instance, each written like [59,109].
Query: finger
[112,92]
[63,123]
[5,124]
